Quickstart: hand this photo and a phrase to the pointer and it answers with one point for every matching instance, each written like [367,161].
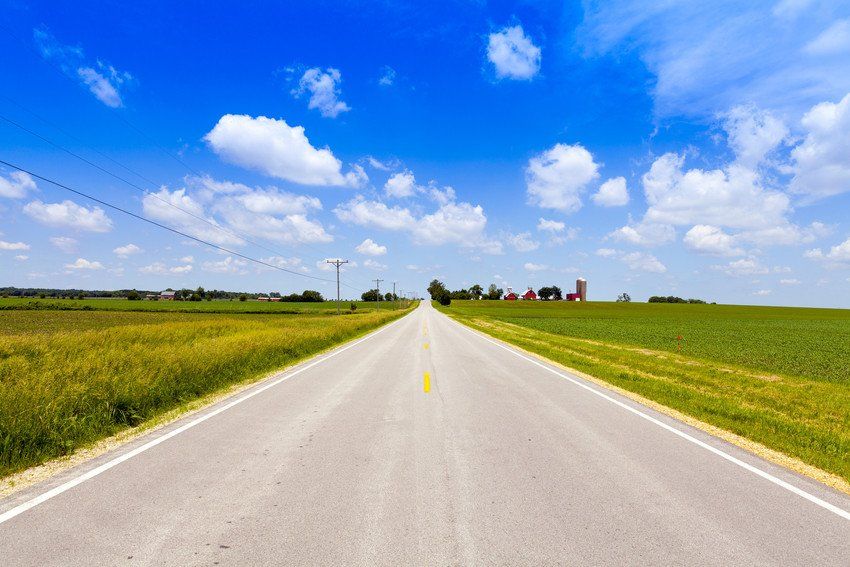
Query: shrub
[133,295]
[243,297]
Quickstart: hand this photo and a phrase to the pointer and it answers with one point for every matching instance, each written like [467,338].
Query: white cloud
[83,264]
[753,134]
[612,193]
[388,75]
[530,267]
[645,234]
[16,185]
[513,54]
[832,41]
[550,225]
[521,242]
[187,259]
[373,265]
[557,178]
[229,265]
[762,292]
[323,87]
[279,150]
[791,281]
[22,257]
[836,256]
[103,80]
[160,269]
[743,267]
[607,252]
[821,163]
[127,250]
[361,212]
[68,214]
[643,262]
[64,243]
[291,263]
[13,245]
[402,184]
[371,248]
[707,239]
[180,210]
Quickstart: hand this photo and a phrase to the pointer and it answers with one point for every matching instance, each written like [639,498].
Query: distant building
[529,295]
[274,299]
[262,298]
[580,293]
[168,295]
[152,296]
[510,296]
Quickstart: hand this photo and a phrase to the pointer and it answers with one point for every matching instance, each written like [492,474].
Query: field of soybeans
[778,376]
[70,377]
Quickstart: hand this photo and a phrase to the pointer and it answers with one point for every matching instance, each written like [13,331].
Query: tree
[494,292]
[133,295]
[243,297]
[476,291]
[200,292]
[550,292]
[371,295]
[388,296]
[624,298]
[312,296]
[436,288]
[445,298]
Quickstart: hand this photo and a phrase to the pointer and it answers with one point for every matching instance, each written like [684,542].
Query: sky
[654,148]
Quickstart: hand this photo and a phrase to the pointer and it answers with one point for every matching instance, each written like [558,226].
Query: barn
[529,295]
[511,296]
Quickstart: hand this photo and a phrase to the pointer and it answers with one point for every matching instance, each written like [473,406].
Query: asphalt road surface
[347,459]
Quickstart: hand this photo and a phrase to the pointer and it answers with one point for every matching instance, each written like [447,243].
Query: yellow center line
[426,382]
[425,346]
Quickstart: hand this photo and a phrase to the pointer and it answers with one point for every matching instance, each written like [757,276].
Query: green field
[216,306]
[71,377]
[778,376]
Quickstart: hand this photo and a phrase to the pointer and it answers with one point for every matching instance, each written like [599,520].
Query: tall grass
[76,383]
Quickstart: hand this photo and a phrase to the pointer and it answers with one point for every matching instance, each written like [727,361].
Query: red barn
[529,294]
[511,296]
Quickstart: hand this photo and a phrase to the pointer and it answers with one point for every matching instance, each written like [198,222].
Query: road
[347,459]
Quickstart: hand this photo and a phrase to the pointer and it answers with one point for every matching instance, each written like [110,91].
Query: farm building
[511,296]
[529,295]
[168,295]
[580,293]
[262,298]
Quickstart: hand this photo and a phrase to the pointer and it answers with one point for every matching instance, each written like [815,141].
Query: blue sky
[653,148]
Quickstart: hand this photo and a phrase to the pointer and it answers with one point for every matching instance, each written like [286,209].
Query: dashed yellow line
[425,346]
[426,382]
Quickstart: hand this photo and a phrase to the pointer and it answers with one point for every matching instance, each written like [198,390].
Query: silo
[581,289]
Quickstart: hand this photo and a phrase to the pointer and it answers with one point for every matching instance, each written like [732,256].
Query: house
[262,298]
[168,295]
[152,296]
[510,296]
[529,295]
[274,299]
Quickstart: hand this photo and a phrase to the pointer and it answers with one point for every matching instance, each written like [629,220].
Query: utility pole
[338,262]
[378,287]
[395,302]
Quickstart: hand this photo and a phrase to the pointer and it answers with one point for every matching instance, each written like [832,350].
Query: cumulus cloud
[712,240]
[550,225]
[836,256]
[644,234]
[790,281]
[126,250]
[68,214]
[160,269]
[183,212]
[753,134]
[522,242]
[13,245]
[636,261]
[323,87]
[83,264]
[531,267]
[279,150]
[513,54]
[16,185]
[229,265]
[821,163]
[371,248]
[612,193]
[743,267]
[557,178]
[103,80]
[374,265]
[401,184]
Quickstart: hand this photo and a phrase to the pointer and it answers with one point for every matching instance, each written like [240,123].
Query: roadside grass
[752,371]
[215,306]
[70,378]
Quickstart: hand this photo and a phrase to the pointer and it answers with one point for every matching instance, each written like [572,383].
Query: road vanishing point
[425,443]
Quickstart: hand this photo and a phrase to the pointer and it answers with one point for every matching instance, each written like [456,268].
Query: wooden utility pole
[378,287]
[337,262]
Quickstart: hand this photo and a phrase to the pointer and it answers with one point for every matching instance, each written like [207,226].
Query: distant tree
[494,292]
[81,295]
[371,295]
[353,306]
[200,292]
[42,296]
[550,292]
[194,297]
[445,298]
[624,298]
[436,288]
[243,297]
[388,296]
[312,296]
[476,291]
[133,295]
[460,294]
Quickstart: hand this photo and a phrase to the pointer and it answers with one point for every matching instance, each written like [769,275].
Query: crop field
[72,377]
[778,376]
[216,306]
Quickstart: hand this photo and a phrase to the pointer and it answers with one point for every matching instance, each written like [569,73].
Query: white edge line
[755,470]
[44,497]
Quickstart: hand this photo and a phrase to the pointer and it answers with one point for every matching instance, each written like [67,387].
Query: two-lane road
[348,460]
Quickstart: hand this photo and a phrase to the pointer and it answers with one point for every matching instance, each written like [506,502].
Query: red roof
[510,296]
[529,294]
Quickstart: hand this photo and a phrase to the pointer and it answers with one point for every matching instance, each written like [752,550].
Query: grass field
[69,378]
[217,306]
[777,376]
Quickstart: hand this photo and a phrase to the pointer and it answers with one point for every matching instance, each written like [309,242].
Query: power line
[153,222]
